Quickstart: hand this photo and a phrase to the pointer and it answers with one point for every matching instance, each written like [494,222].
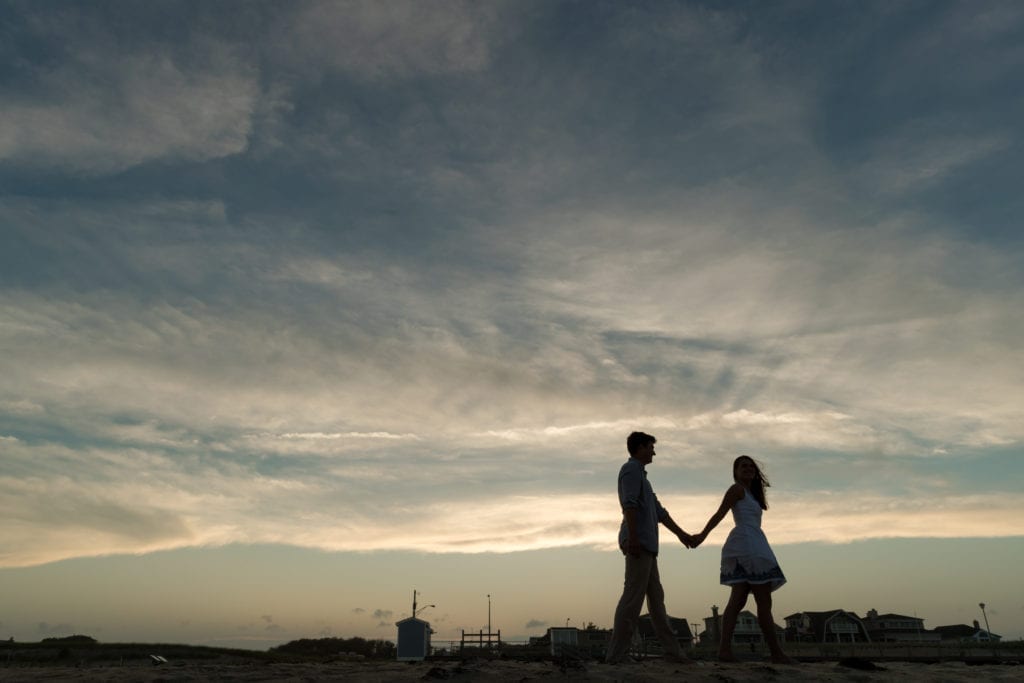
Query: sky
[305,306]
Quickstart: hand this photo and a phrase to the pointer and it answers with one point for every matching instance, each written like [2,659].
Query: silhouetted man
[638,539]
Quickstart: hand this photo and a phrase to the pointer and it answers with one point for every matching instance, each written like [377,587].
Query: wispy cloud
[123,505]
[104,109]
[924,154]
[410,258]
[400,40]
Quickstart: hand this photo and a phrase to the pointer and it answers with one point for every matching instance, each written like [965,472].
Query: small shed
[563,640]
[413,640]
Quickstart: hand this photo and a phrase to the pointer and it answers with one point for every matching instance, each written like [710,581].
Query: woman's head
[744,467]
[746,471]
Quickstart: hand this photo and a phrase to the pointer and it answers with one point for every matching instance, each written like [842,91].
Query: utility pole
[488,613]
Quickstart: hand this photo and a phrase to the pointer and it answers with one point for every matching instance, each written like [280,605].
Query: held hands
[691,540]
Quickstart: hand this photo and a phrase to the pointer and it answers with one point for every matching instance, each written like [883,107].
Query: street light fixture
[988,631]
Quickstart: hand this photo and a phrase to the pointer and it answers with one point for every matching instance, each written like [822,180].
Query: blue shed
[413,640]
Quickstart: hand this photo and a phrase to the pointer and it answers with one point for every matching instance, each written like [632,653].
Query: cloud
[270,625]
[397,40]
[316,436]
[382,614]
[869,516]
[438,275]
[184,410]
[155,107]
[158,506]
[573,431]
[535,623]
[923,154]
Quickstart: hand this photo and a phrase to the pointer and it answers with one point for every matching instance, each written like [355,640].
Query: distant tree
[383,649]
[76,639]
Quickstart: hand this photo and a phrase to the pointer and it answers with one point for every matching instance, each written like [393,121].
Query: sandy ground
[650,671]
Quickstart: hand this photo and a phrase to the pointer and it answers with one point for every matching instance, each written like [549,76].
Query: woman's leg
[763,598]
[737,599]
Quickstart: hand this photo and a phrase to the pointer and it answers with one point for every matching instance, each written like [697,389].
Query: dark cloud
[535,623]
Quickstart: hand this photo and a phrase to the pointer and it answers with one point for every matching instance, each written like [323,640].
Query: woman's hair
[759,483]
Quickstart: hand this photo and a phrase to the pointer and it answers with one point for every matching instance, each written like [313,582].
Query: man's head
[641,446]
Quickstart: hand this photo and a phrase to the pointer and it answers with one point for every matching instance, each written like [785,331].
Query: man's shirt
[635,492]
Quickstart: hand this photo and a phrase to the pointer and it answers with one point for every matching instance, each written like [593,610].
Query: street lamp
[988,631]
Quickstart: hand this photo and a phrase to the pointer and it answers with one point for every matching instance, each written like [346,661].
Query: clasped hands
[691,540]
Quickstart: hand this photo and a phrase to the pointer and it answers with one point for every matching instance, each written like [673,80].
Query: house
[413,640]
[964,633]
[747,631]
[563,640]
[569,640]
[833,626]
[649,638]
[594,641]
[895,628]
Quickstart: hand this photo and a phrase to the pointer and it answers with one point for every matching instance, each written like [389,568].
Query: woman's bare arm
[734,494]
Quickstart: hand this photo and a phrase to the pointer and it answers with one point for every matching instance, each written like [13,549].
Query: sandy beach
[499,670]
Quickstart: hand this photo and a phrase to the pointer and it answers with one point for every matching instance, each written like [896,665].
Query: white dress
[746,555]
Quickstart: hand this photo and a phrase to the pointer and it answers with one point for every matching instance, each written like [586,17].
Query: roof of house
[962,630]
[826,613]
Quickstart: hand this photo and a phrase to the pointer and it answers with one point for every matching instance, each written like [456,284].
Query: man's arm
[670,523]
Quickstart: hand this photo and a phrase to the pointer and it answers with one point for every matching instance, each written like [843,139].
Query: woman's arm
[731,497]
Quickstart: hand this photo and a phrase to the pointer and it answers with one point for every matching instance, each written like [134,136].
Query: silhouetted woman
[748,563]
